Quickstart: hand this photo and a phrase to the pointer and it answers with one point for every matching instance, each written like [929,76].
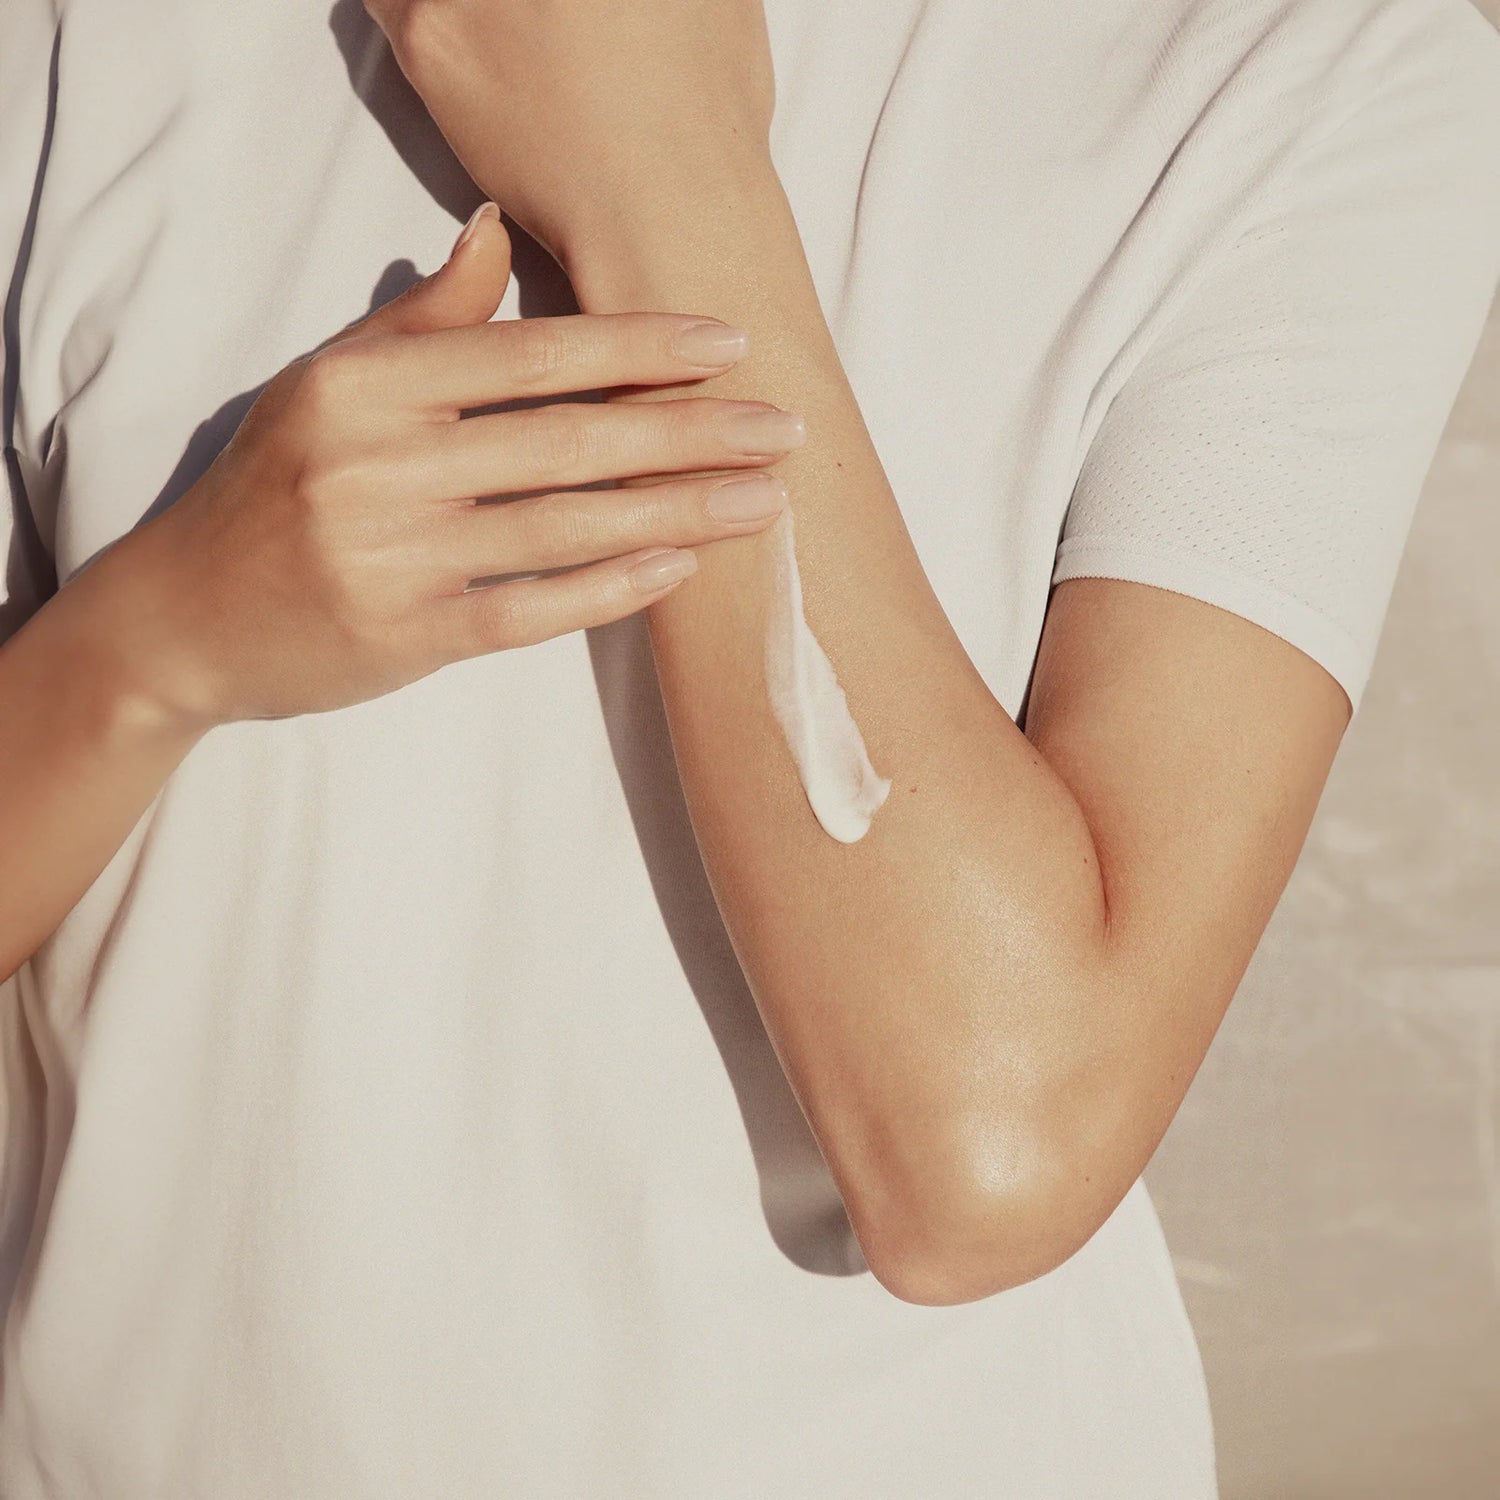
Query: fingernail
[661,568]
[748,499]
[754,432]
[467,233]
[712,344]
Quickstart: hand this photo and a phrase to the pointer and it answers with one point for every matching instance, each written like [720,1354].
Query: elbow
[985,1231]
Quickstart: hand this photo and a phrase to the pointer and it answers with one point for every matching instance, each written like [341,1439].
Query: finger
[466,290]
[521,612]
[452,369]
[581,442]
[581,526]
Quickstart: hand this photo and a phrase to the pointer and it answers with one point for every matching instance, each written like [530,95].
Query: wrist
[118,614]
[670,215]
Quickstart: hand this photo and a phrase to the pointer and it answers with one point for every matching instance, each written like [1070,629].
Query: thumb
[467,288]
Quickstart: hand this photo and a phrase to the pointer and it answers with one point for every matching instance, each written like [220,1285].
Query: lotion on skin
[843,788]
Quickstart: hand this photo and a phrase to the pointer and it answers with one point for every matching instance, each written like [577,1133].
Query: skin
[323,559]
[990,1007]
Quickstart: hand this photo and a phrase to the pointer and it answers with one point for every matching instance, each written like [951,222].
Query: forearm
[928,988]
[84,747]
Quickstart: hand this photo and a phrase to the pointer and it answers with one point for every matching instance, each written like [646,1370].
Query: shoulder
[1403,125]
[1436,59]
[1264,107]
[1364,112]
[1349,60]
[1321,62]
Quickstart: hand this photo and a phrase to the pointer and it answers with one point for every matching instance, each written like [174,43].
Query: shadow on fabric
[801,1204]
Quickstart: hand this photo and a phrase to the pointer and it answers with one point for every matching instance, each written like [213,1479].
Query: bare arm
[85,746]
[991,1006]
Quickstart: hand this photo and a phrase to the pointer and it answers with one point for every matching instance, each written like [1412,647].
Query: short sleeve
[1267,452]
[28,35]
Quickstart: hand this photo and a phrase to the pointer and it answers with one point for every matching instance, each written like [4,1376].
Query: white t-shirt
[390,1118]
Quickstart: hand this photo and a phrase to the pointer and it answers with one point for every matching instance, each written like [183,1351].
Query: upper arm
[1197,745]
[1229,553]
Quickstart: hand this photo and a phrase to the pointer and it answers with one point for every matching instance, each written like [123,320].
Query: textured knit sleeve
[1267,452]
[27,33]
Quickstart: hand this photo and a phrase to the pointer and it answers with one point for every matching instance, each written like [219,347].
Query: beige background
[1331,1186]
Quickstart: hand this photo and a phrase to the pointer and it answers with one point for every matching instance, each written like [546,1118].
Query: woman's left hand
[559,108]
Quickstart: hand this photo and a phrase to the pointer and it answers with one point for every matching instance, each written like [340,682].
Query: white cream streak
[842,786]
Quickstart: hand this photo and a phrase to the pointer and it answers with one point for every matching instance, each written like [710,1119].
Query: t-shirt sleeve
[1267,451]
[28,31]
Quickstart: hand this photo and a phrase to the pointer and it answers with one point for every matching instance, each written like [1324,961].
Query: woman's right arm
[326,556]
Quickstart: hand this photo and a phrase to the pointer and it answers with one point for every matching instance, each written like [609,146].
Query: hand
[323,558]
[557,109]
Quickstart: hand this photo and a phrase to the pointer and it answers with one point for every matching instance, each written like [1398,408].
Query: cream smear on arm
[843,788]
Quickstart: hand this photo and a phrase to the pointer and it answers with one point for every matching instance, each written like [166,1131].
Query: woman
[449,1056]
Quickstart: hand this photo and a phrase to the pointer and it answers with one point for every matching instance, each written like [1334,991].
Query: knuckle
[310,490]
[542,349]
[502,617]
[640,516]
[565,440]
[359,629]
[695,421]
[553,528]
[334,376]
[648,336]
[324,485]
[653,431]
[411,25]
